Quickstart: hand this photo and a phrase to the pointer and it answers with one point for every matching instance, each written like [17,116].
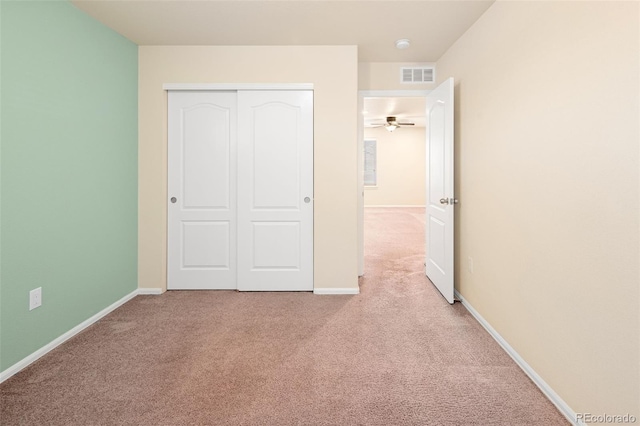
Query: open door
[440,197]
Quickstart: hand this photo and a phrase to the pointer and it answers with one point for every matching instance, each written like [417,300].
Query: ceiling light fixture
[391,127]
[403,43]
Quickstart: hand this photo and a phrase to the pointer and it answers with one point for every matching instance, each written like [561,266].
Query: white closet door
[202,190]
[275,190]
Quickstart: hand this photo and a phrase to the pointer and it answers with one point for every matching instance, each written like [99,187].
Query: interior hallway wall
[400,167]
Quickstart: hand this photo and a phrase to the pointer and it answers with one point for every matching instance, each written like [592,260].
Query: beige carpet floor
[397,354]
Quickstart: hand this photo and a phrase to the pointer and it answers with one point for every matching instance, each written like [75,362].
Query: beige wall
[333,71]
[386,76]
[547,142]
[400,167]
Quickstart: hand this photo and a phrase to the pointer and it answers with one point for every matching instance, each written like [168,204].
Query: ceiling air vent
[418,75]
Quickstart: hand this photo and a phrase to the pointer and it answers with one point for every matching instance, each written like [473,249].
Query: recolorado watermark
[606,418]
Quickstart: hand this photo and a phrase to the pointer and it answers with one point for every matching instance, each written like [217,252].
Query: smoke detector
[403,43]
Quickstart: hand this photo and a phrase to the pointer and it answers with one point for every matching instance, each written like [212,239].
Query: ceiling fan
[392,124]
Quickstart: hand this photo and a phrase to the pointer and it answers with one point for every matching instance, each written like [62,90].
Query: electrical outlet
[35,298]
[470,264]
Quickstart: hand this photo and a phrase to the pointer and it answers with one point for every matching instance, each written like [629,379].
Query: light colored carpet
[397,354]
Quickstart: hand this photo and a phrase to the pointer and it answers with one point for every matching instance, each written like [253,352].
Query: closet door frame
[236,87]
[233,86]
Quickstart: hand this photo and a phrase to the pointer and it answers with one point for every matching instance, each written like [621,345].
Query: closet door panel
[206,156]
[275,157]
[275,190]
[201,211]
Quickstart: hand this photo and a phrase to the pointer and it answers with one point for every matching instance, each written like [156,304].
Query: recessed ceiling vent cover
[418,75]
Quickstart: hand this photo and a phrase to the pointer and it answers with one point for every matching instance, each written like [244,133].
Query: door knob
[174,199]
[307,199]
[444,201]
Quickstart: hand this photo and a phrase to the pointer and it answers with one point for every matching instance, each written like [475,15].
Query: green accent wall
[68,176]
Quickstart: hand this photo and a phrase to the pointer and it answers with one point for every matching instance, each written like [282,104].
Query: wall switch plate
[35,298]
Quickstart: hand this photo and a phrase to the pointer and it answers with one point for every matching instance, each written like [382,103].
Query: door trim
[237,86]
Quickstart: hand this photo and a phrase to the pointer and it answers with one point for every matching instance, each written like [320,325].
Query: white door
[201,190]
[440,197]
[275,190]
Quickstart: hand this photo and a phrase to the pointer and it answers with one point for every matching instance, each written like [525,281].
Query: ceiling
[404,109]
[373,25]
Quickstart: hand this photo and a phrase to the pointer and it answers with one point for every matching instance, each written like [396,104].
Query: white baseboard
[153,291]
[350,290]
[29,359]
[544,386]
[391,206]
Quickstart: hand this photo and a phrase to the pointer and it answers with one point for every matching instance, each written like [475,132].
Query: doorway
[392,152]
[440,198]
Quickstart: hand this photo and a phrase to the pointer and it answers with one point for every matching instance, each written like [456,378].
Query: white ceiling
[374,25]
[404,109]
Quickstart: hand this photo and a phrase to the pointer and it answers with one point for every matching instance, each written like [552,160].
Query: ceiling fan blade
[406,124]
[374,125]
